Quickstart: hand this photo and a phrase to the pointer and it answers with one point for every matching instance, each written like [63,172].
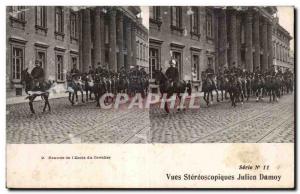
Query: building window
[210,61]
[73,25]
[59,67]
[18,13]
[274,49]
[195,21]
[40,17]
[176,18]
[59,20]
[195,68]
[144,53]
[74,61]
[141,51]
[209,30]
[154,60]
[17,62]
[137,50]
[41,57]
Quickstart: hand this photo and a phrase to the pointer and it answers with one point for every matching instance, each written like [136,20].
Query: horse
[169,88]
[88,85]
[99,88]
[33,91]
[222,85]
[208,86]
[288,84]
[122,84]
[246,86]
[144,86]
[73,86]
[234,89]
[109,87]
[258,87]
[272,86]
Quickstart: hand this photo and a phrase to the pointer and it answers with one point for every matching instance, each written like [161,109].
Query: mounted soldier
[257,71]
[37,74]
[91,71]
[210,73]
[75,72]
[226,71]
[98,69]
[143,72]
[172,72]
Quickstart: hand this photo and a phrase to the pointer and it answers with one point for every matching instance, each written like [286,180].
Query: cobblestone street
[84,123]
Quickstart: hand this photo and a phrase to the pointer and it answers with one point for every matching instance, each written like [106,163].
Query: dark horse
[88,86]
[234,89]
[99,88]
[258,86]
[33,91]
[272,86]
[169,88]
[222,84]
[208,86]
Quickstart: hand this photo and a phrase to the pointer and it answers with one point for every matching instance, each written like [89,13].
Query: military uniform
[75,73]
[172,74]
[38,76]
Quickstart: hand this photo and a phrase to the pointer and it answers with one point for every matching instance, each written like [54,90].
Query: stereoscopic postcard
[150,97]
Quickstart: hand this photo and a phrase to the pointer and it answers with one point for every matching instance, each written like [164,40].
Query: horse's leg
[257,94]
[47,104]
[231,97]
[217,94]
[49,107]
[97,96]
[221,94]
[205,98]
[236,96]
[86,94]
[71,100]
[82,95]
[243,95]
[166,104]
[91,91]
[31,99]
[76,95]
[73,96]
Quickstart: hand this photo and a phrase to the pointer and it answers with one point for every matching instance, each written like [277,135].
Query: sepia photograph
[157,74]
[122,90]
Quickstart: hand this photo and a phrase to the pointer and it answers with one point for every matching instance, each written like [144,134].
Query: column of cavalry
[101,81]
[238,83]
[95,82]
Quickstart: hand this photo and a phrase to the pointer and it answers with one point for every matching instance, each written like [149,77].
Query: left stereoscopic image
[72,73]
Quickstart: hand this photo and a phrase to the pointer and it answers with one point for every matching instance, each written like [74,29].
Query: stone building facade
[109,35]
[42,33]
[220,36]
[62,37]
[185,34]
[142,45]
[282,57]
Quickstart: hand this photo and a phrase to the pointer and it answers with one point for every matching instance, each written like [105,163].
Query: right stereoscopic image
[221,74]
